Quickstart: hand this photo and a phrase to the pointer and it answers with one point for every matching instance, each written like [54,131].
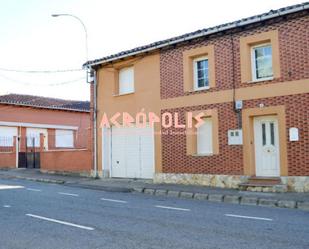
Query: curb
[70,184]
[33,179]
[101,188]
[232,199]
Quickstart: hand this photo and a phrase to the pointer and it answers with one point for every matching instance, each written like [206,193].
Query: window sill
[203,154]
[123,94]
[261,80]
[198,90]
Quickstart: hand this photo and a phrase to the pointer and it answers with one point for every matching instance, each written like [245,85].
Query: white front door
[267,151]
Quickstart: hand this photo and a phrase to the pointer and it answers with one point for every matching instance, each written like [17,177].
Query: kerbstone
[149,191]
[282,188]
[187,195]
[200,196]
[161,192]
[173,193]
[215,197]
[245,200]
[140,190]
[286,204]
[303,205]
[234,199]
[268,202]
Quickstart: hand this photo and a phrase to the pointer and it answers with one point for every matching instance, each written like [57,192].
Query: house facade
[248,81]
[46,133]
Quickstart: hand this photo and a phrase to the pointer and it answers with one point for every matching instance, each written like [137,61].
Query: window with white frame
[262,68]
[33,137]
[64,139]
[201,75]
[7,135]
[126,80]
[204,137]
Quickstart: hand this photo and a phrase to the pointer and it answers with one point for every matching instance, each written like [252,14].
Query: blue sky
[32,40]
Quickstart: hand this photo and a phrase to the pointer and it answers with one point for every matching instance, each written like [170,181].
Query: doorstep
[264,184]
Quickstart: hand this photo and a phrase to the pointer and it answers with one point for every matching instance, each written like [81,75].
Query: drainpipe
[93,80]
[94,73]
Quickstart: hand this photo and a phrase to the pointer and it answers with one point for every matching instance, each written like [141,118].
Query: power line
[41,71]
[35,84]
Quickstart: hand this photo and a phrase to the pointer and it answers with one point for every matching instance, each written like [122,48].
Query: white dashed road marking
[34,189]
[60,222]
[5,187]
[69,194]
[112,200]
[248,217]
[173,208]
[6,206]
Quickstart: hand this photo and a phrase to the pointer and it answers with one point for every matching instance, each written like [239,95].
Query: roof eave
[44,107]
[255,19]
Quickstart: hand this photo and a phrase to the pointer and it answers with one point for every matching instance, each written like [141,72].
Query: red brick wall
[294,63]
[21,114]
[230,157]
[8,160]
[8,156]
[66,161]
[293,46]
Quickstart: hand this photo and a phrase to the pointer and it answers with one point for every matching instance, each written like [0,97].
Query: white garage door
[132,152]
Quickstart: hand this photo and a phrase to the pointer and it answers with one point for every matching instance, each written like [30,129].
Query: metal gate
[29,156]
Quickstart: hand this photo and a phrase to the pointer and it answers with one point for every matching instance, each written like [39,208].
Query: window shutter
[64,139]
[126,80]
[204,137]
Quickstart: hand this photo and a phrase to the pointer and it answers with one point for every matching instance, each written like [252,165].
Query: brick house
[249,82]
[46,133]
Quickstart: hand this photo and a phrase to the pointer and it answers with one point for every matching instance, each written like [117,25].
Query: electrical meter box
[235,137]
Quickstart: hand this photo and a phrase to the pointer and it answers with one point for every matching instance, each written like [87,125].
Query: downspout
[91,72]
[237,111]
[95,124]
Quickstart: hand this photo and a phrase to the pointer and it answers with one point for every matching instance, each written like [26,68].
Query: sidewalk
[283,200]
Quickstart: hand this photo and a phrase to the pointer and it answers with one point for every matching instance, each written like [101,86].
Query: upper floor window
[201,75]
[262,68]
[126,80]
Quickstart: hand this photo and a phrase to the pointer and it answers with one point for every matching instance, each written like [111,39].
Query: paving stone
[231,199]
[268,202]
[140,190]
[286,204]
[173,193]
[303,205]
[187,195]
[246,200]
[161,192]
[200,196]
[215,197]
[149,191]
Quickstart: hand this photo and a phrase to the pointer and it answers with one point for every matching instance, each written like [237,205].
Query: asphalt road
[37,215]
